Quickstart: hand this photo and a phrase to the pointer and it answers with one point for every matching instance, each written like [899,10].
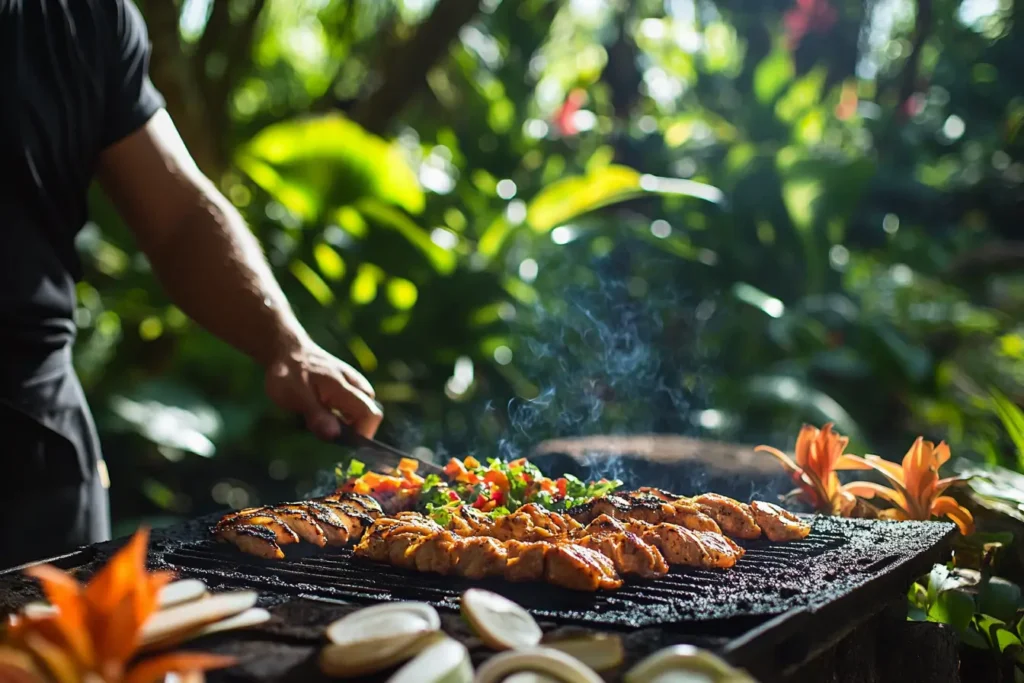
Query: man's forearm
[213,268]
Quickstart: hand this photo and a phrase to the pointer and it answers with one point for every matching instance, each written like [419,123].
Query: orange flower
[916,491]
[94,630]
[819,453]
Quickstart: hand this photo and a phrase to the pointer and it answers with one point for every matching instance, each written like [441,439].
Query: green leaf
[1000,598]
[942,578]
[1012,417]
[567,199]
[313,283]
[302,161]
[808,403]
[772,75]
[953,607]
[998,634]
[442,260]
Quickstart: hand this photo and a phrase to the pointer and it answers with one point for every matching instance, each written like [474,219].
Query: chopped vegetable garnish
[495,487]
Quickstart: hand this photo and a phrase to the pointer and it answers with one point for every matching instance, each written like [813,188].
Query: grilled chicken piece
[562,564]
[301,521]
[437,553]
[627,551]
[677,544]
[263,517]
[480,556]
[253,539]
[468,521]
[376,542]
[778,524]
[532,522]
[673,510]
[363,503]
[578,568]
[734,517]
[336,530]
[646,508]
[687,547]
[355,521]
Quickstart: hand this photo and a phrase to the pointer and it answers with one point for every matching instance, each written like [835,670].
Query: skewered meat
[263,517]
[687,547]
[734,517]
[468,521]
[628,553]
[365,503]
[779,524]
[531,522]
[302,521]
[562,564]
[480,556]
[645,508]
[253,539]
[738,519]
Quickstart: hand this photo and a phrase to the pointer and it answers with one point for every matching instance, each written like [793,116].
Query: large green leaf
[312,164]
[443,260]
[1012,417]
[772,75]
[568,198]
[813,405]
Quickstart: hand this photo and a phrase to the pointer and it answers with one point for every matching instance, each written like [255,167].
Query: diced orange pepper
[454,468]
[518,462]
[471,463]
[471,478]
[408,465]
[497,478]
[547,485]
[490,505]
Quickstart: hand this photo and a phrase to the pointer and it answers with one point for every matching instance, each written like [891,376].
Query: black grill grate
[836,558]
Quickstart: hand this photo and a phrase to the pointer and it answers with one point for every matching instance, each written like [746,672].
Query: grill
[780,606]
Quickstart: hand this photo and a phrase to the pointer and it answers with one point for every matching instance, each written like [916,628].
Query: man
[76,103]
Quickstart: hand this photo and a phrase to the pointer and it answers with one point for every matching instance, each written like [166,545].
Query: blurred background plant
[544,218]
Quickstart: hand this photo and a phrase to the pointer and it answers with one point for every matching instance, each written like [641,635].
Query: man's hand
[310,381]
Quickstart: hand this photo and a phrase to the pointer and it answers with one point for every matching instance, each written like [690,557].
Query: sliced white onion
[500,623]
[370,656]
[543,660]
[531,677]
[444,662]
[599,651]
[385,620]
[685,664]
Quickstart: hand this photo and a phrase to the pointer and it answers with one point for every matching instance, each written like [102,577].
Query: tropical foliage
[540,218]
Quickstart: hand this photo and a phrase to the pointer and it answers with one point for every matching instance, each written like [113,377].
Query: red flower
[564,118]
[808,16]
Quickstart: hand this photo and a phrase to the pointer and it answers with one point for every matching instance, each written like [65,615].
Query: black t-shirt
[73,81]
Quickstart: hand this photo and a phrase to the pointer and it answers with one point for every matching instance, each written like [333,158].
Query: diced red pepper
[528,479]
[452,496]
[479,502]
[561,485]
[499,497]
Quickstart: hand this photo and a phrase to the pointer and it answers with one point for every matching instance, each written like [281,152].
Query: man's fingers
[360,411]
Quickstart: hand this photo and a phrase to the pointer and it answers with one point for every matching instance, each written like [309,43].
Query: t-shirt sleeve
[132,99]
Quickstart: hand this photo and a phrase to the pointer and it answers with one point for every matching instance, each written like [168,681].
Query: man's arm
[213,268]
